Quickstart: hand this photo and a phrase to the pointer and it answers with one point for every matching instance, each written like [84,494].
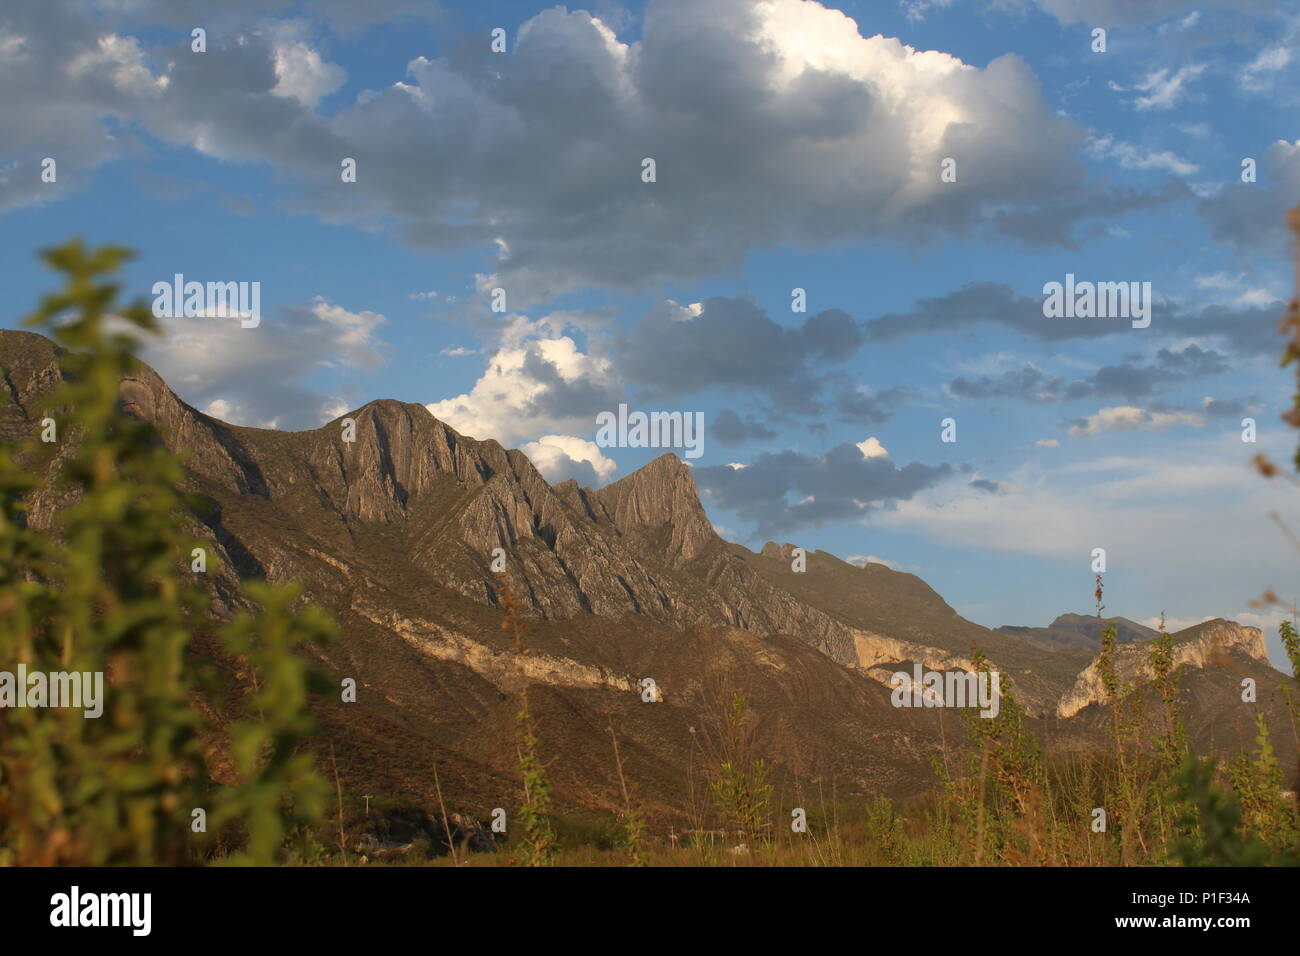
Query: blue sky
[797,145]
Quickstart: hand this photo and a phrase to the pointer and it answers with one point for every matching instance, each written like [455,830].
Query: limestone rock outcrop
[1201,646]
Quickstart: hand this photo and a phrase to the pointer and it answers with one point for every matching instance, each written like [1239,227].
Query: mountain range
[412,535]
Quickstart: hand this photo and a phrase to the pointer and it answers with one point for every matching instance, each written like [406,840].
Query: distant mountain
[1210,645]
[1079,632]
[400,531]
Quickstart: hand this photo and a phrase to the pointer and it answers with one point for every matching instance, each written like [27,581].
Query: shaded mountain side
[437,693]
[443,689]
[1079,632]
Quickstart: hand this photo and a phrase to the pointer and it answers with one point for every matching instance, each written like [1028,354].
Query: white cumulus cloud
[560,457]
[871,448]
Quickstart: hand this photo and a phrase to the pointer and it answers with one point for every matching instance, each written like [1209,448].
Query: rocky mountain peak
[773,550]
[661,495]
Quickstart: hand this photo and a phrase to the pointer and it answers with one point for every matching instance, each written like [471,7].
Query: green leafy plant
[101,590]
[740,786]
[535,811]
[1213,834]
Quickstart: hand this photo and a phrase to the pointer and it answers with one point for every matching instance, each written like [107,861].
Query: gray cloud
[59,83]
[1252,216]
[1247,329]
[1224,408]
[863,406]
[1053,220]
[541,149]
[1137,13]
[730,429]
[732,343]
[258,376]
[1128,381]
[344,17]
[1029,383]
[838,485]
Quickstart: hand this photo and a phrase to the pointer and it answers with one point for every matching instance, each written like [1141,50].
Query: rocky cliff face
[1202,646]
[662,495]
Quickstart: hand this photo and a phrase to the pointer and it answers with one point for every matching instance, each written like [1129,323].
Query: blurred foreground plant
[105,589]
